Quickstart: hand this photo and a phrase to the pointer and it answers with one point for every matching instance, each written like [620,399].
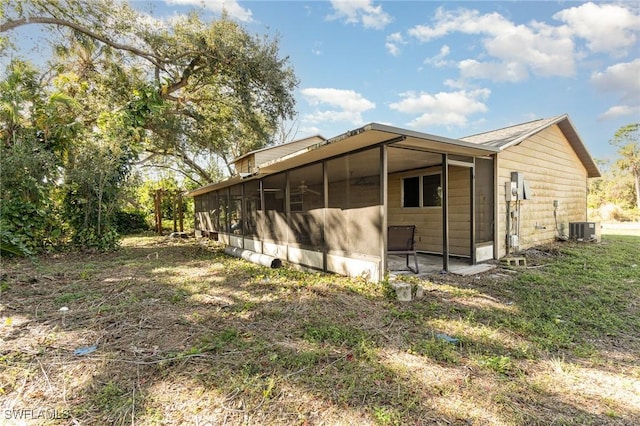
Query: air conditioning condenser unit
[584,231]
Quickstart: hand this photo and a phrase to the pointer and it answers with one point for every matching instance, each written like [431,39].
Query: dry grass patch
[186,335]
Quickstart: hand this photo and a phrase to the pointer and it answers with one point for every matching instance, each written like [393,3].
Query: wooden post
[173,212]
[158,208]
[180,212]
[155,209]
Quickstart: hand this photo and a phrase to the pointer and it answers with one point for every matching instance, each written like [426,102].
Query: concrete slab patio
[432,264]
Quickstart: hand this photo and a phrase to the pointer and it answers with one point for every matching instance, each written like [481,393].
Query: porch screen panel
[208,210]
[353,223]
[223,207]
[306,204]
[484,200]
[336,218]
[251,207]
[197,207]
[205,210]
[272,218]
[235,210]
[213,211]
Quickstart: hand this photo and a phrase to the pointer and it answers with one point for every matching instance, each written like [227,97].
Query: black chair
[400,240]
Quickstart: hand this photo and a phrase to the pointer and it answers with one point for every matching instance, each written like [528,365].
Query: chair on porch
[400,240]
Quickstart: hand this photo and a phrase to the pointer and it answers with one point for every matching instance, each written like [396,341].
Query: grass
[187,335]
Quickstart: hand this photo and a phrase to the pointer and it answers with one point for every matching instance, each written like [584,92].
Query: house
[555,165]
[326,203]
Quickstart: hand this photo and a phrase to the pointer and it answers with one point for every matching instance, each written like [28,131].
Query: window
[422,191]
[411,192]
[431,191]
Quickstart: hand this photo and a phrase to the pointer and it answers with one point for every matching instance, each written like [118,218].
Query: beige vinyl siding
[459,210]
[248,163]
[245,165]
[428,220]
[553,172]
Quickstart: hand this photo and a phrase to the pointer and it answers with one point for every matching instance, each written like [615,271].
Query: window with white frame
[422,191]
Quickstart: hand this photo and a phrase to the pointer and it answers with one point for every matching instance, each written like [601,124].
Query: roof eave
[566,126]
[570,131]
[385,134]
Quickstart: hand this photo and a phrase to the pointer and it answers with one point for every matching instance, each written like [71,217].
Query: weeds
[187,335]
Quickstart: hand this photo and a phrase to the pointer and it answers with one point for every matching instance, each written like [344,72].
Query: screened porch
[328,209]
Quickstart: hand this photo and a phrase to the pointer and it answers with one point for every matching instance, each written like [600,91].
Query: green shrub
[130,222]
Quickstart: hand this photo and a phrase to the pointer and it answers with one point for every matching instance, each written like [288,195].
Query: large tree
[36,129]
[192,93]
[627,139]
[122,89]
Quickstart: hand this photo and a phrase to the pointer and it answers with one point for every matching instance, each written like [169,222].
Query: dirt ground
[174,332]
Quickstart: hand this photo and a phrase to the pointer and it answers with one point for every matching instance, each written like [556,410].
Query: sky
[450,68]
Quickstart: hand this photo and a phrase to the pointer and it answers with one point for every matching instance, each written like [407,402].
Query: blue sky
[449,68]
[453,68]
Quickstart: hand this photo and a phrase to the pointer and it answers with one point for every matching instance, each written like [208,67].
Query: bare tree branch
[10,25]
[182,172]
[186,160]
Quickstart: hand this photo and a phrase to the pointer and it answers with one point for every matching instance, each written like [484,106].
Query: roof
[284,147]
[513,135]
[367,136]
[372,134]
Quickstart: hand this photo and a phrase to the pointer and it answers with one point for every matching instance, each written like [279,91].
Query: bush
[617,213]
[89,239]
[12,245]
[130,222]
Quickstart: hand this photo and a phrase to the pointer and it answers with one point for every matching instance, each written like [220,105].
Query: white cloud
[439,60]
[344,105]
[232,7]
[461,20]
[515,50]
[444,108]
[610,28]
[316,49]
[360,11]
[310,130]
[496,71]
[622,78]
[393,43]
[621,111]
[455,84]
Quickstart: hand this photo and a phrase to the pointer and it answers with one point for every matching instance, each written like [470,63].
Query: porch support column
[445,212]
[261,217]
[287,209]
[383,208]
[227,216]
[497,241]
[472,199]
[243,213]
[325,203]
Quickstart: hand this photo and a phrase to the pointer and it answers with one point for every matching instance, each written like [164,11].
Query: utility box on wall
[518,188]
[584,231]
